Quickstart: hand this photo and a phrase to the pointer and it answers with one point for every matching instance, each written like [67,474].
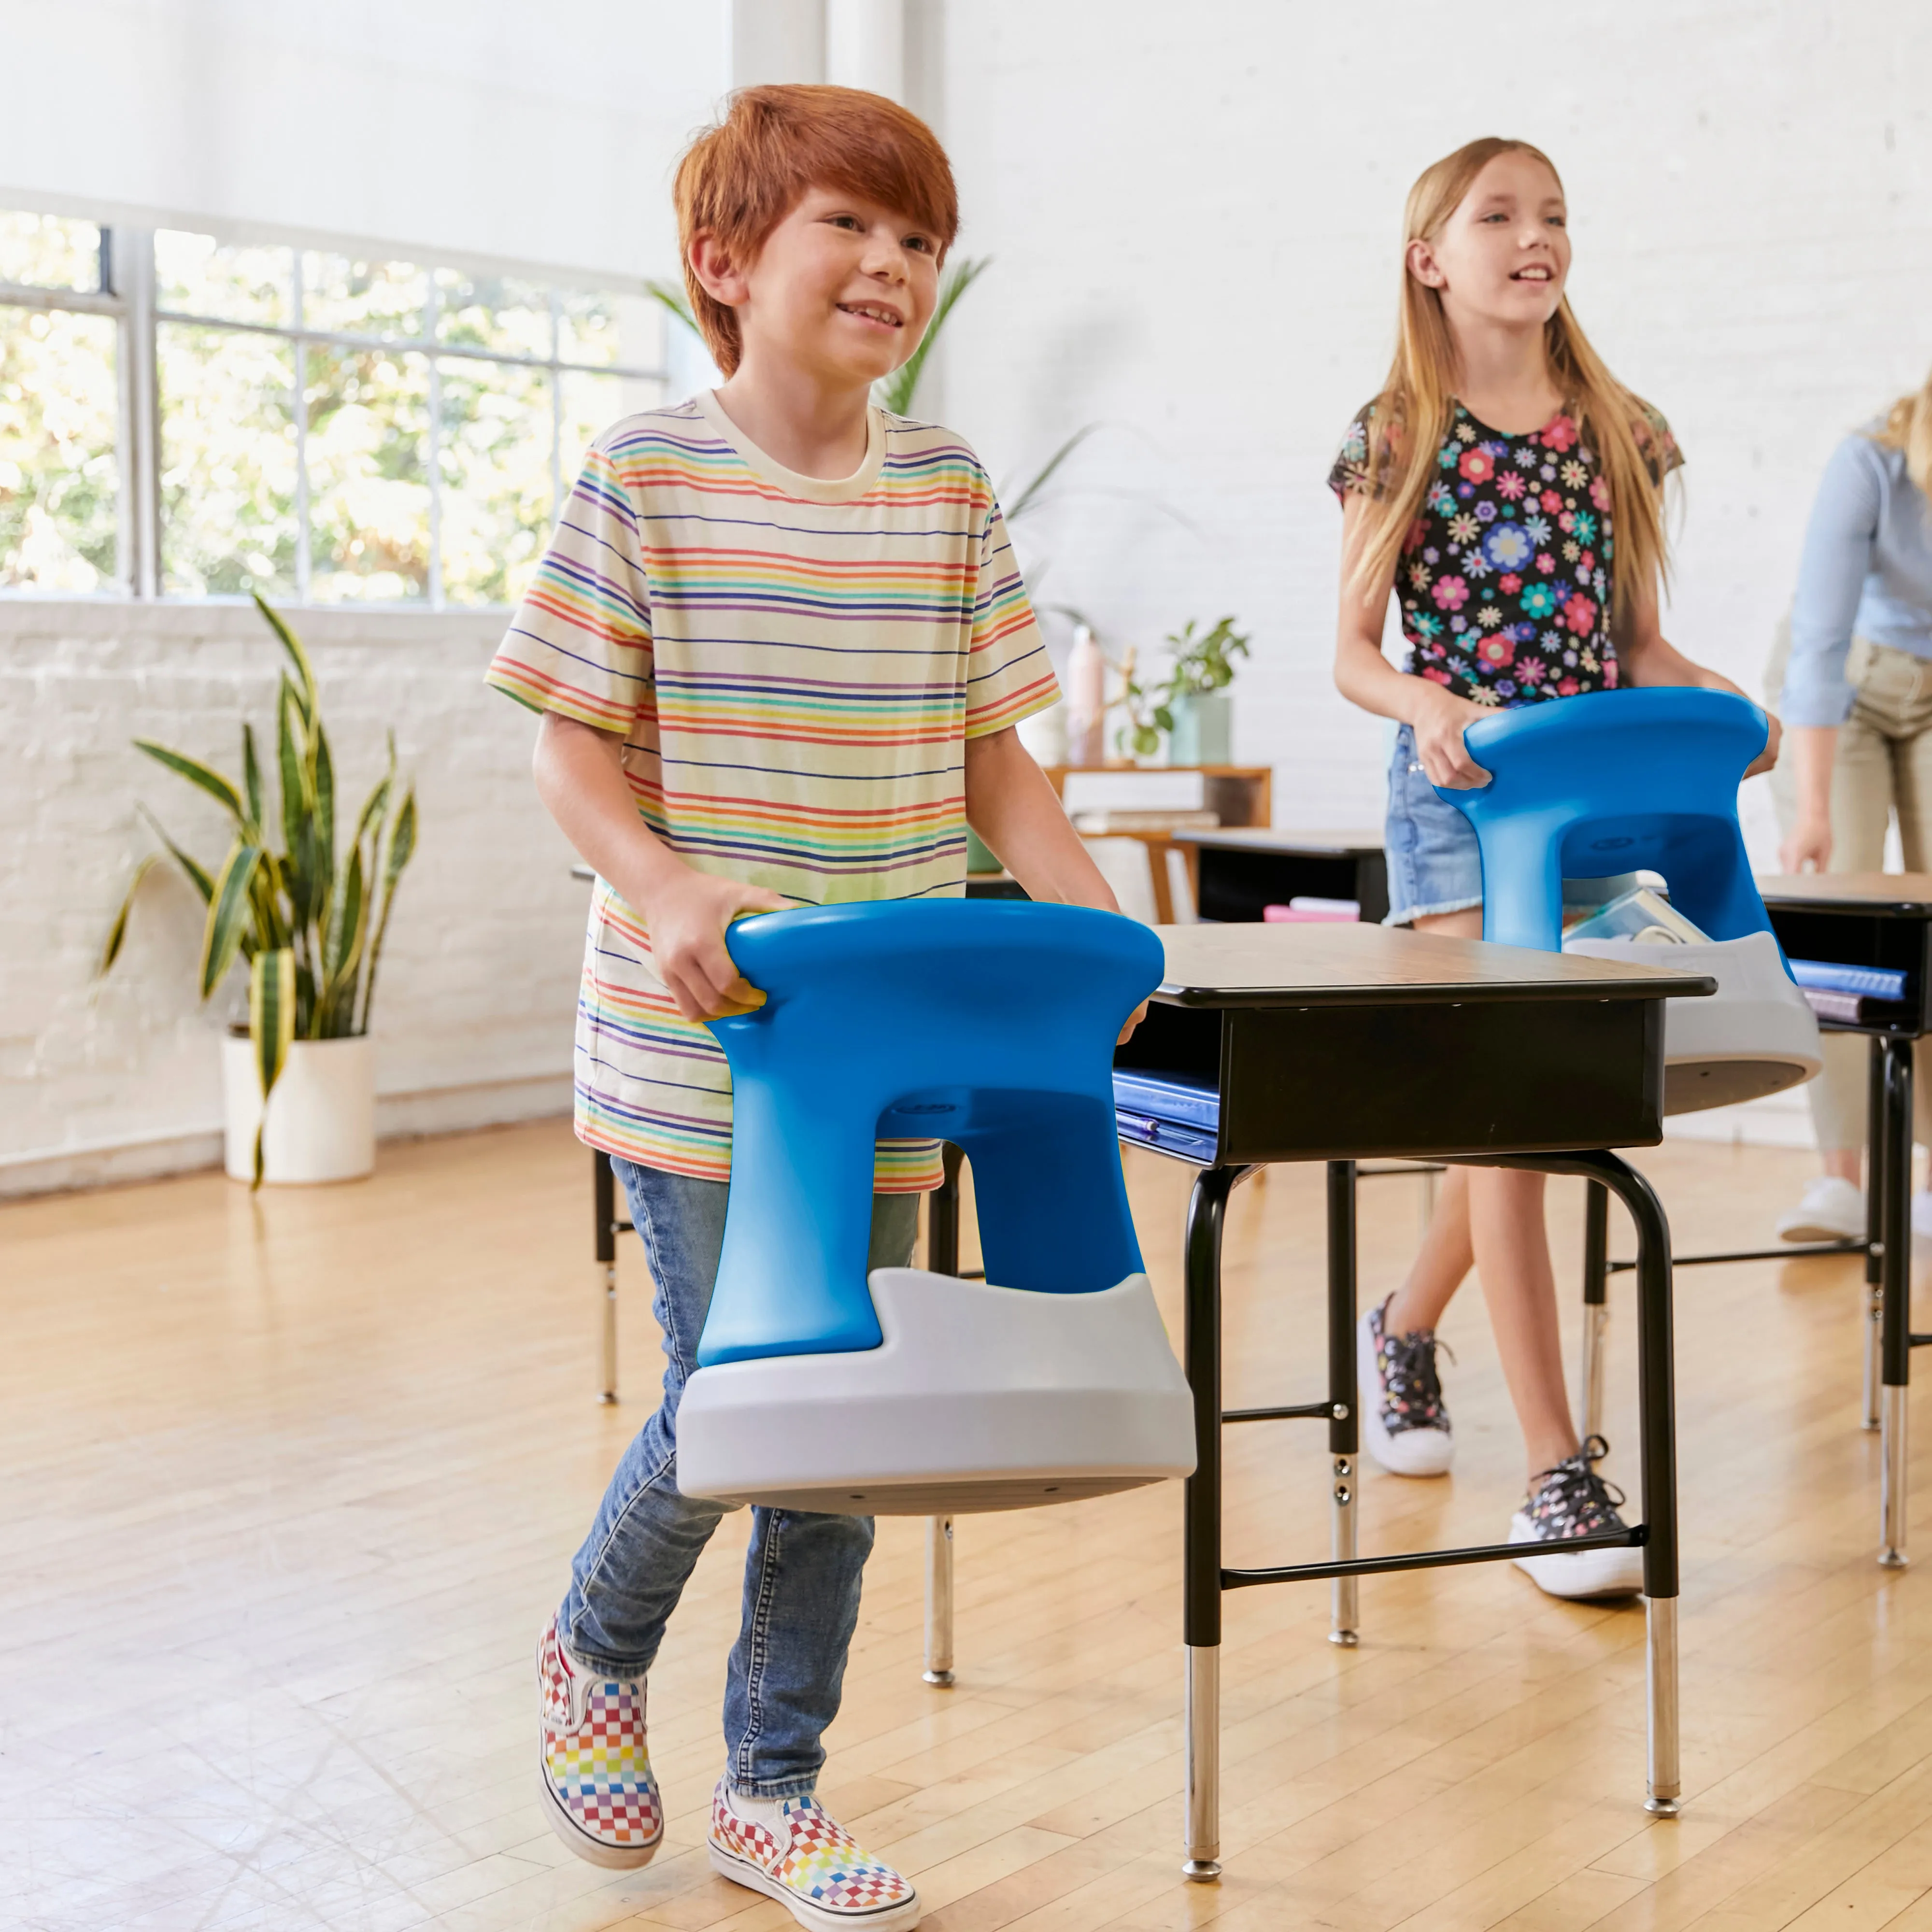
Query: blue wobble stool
[1646,780]
[990,1024]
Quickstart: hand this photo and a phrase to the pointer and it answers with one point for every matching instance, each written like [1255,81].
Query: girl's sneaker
[1572,1500]
[1404,1421]
[809,1864]
[598,1792]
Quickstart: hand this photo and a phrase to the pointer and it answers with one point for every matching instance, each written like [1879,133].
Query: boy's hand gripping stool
[1646,780]
[990,1025]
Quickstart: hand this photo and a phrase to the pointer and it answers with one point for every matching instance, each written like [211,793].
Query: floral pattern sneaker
[1405,1421]
[1569,1501]
[598,1792]
[811,1866]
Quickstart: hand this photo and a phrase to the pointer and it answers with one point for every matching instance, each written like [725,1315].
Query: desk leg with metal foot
[942,1257]
[1596,1305]
[1345,1479]
[939,1600]
[1657,1402]
[1896,1283]
[1878,1166]
[1201,1564]
[603,1206]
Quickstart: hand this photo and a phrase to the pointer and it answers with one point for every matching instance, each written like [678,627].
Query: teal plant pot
[1204,730]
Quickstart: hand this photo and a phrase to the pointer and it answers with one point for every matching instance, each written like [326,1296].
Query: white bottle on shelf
[1086,699]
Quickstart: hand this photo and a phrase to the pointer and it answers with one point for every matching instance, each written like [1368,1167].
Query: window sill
[96,619]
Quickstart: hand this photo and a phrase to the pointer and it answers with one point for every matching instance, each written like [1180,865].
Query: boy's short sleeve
[1008,674]
[579,644]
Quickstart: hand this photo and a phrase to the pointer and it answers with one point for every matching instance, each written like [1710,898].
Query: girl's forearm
[1365,677]
[1011,805]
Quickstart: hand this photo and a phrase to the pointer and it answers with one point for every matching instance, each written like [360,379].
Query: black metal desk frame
[1264,1037]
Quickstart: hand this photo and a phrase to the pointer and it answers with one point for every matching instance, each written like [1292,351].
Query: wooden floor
[291,1484]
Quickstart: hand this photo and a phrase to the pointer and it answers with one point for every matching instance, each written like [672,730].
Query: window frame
[128,292]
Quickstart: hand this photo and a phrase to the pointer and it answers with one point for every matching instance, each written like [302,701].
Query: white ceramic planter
[321,1115]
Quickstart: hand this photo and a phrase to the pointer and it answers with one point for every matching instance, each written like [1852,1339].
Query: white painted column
[864,45]
[774,42]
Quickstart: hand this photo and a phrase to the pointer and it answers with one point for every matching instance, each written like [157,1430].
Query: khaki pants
[1883,765]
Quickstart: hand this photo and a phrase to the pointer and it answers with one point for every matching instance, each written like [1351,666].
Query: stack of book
[1847,994]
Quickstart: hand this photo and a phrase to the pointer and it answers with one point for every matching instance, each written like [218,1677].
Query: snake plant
[309,921]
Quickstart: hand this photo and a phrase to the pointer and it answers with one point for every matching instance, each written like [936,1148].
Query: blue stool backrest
[989,1023]
[1614,782]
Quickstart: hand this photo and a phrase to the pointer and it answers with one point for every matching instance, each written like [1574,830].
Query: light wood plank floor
[291,1483]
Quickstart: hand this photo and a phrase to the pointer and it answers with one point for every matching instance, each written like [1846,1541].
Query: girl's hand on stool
[1440,721]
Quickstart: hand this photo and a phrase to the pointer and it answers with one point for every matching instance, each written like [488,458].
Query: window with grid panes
[329,428]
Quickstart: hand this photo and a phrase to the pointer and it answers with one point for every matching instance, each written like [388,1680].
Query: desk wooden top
[1354,843]
[1887,894]
[1344,965]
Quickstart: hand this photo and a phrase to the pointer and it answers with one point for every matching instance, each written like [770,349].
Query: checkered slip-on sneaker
[811,1866]
[598,1792]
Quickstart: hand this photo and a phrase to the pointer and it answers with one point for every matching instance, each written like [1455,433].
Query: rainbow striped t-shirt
[795,665]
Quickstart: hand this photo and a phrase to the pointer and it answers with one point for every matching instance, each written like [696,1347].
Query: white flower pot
[321,1115]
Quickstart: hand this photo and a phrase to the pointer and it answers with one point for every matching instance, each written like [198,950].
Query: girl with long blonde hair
[1507,489]
[1858,696]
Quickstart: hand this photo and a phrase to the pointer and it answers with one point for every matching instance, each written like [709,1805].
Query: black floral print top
[1505,575]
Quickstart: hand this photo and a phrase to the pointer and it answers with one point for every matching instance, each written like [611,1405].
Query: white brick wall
[474,1002]
[1195,215]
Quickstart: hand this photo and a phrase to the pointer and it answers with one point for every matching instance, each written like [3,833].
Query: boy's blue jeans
[801,1572]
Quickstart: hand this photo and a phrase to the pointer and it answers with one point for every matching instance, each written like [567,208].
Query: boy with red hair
[779,644]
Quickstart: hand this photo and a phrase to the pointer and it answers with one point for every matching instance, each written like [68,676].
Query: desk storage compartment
[1863,939]
[1342,1083]
[1167,1083]
[1238,882]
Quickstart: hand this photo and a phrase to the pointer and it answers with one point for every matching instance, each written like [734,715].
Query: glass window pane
[495,461]
[345,297]
[228,462]
[591,404]
[608,330]
[42,251]
[195,276]
[368,475]
[491,312]
[59,480]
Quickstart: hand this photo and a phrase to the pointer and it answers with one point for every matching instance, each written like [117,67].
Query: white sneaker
[1405,1421]
[1832,1210]
[1572,1500]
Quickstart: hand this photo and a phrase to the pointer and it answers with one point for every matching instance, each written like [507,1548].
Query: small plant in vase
[1200,714]
[311,929]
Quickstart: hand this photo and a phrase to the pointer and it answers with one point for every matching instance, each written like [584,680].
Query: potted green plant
[310,922]
[1200,718]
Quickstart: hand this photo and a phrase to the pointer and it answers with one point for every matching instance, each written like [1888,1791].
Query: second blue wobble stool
[1613,782]
[991,1024]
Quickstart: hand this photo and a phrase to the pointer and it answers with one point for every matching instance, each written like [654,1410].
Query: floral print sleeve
[1657,446]
[1504,577]
[1355,472]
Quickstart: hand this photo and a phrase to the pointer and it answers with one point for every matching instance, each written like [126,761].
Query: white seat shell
[980,1398]
[1756,1035]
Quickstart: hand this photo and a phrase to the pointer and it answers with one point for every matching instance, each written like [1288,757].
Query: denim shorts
[1435,865]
